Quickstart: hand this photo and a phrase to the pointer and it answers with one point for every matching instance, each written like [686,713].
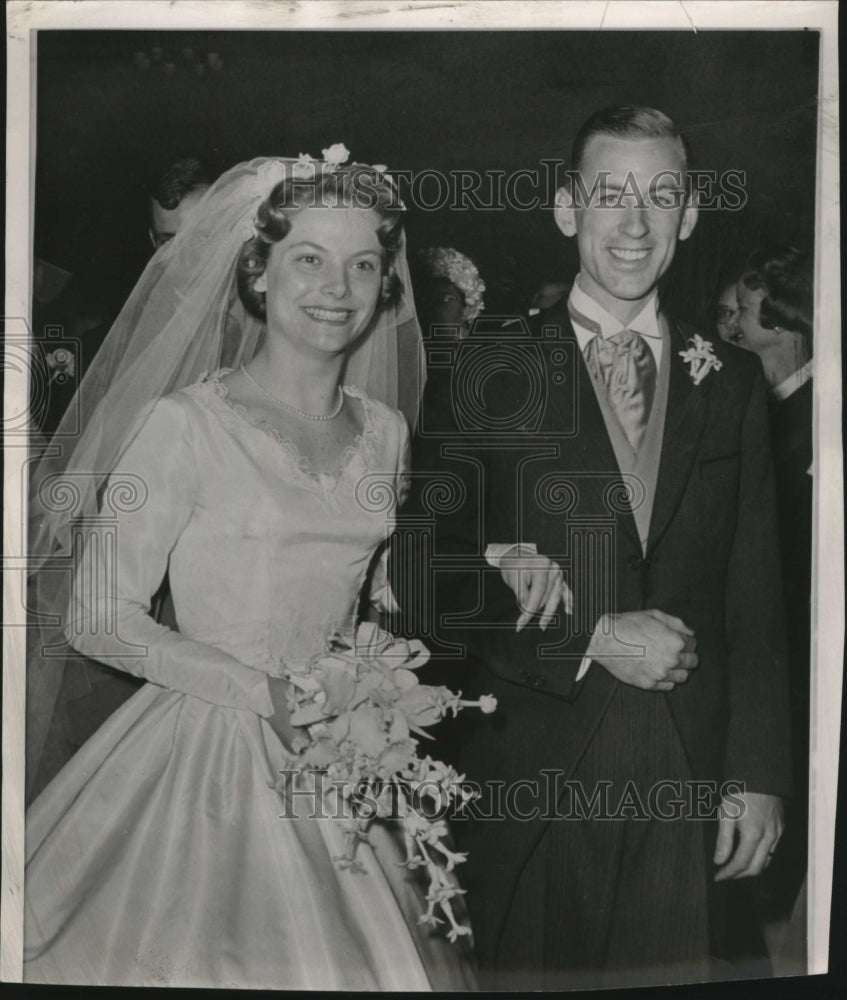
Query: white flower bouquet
[361,702]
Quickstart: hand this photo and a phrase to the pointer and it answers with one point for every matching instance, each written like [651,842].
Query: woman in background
[448,292]
[776,321]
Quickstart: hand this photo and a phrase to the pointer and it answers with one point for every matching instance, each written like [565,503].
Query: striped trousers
[606,902]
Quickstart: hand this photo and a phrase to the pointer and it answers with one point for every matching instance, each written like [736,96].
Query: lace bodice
[357,459]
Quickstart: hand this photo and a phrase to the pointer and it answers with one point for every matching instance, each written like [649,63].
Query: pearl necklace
[293,409]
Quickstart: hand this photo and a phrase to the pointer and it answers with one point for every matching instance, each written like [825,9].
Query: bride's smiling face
[324,279]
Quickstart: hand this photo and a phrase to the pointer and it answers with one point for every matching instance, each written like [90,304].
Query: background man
[641,464]
[177,191]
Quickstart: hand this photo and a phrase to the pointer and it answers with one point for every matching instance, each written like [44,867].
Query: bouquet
[364,708]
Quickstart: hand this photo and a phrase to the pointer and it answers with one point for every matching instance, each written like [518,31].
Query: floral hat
[445,262]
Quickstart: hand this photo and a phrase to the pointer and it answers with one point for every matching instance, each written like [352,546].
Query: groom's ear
[564,212]
[689,216]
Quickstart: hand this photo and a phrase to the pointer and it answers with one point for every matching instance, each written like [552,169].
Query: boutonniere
[700,358]
[61,363]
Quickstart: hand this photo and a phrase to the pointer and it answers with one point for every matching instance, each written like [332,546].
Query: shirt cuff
[259,695]
[382,598]
[497,551]
[583,668]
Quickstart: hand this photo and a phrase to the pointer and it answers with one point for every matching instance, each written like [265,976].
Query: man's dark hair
[626,122]
[180,179]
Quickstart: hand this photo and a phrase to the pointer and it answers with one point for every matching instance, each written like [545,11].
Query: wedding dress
[163,854]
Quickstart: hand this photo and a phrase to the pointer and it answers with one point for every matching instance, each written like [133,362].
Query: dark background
[417,100]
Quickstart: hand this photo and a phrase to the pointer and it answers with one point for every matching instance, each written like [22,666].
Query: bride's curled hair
[353,186]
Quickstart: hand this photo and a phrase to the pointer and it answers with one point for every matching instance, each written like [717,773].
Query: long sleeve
[381,595]
[109,619]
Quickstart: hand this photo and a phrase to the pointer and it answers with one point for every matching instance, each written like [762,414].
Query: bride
[162,854]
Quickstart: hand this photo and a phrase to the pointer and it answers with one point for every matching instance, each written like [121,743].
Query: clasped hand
[647,649]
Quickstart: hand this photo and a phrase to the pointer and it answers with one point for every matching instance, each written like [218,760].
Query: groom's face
[627,230]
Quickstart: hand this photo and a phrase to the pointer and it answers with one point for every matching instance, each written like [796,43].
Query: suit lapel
[684,422]
[590,448]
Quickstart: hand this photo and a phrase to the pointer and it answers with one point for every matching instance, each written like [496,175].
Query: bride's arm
[109,619]
[381,595]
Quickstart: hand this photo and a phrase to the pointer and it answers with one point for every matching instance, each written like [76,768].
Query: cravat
[624,365]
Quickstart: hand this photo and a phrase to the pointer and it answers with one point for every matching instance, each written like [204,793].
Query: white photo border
[25,19]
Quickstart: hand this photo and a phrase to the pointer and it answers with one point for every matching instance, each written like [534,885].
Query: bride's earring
[261,283]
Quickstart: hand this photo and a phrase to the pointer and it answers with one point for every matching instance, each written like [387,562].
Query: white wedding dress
[158,856]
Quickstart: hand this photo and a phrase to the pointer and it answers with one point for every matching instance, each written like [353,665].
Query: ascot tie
[624,365]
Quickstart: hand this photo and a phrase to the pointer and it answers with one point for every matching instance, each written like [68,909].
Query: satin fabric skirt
[161,855]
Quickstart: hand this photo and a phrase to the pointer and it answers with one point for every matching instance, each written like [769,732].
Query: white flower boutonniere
[62,365]
[700,358]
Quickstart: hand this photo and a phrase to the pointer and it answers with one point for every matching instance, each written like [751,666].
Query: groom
[639,753]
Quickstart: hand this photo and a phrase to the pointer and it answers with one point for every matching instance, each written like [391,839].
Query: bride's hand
[538,583]
[293,738]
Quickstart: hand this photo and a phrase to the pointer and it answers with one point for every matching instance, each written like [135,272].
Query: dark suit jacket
[791,437]
[512,447]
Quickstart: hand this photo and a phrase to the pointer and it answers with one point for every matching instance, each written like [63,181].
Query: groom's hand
[647,649]
[758,827]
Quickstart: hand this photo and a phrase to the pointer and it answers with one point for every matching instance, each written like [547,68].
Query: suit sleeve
[758,750]
[461,500]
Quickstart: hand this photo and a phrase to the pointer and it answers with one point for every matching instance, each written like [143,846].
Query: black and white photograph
[423,523]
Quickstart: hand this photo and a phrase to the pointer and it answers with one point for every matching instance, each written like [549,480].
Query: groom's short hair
[626,122]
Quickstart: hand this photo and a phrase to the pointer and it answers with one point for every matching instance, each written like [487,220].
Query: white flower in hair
[268,176]
[247,229]
[304,167]
[336,154]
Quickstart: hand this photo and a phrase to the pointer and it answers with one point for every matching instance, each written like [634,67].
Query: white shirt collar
[646,322]
[794,382]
